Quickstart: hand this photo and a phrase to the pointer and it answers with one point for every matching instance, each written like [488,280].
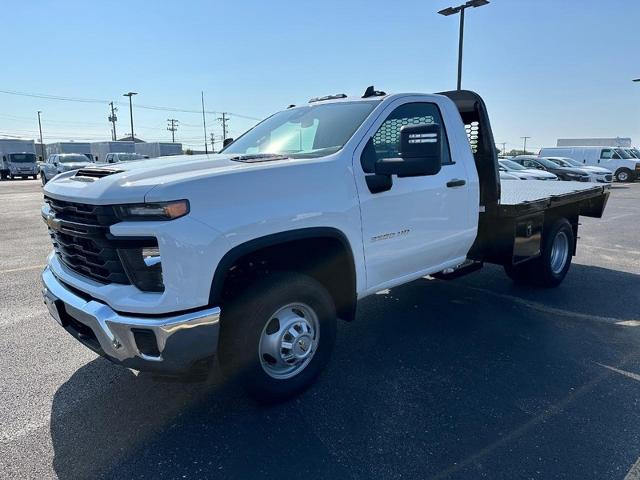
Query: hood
[596,169]
[538,173]
[129,182]
[577,171]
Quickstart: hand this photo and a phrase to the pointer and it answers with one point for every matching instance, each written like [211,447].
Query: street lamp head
[129,94]
[636,79]
[450,11]
[476,3]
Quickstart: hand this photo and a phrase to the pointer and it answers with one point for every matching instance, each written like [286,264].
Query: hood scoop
[92,174]
[258,157]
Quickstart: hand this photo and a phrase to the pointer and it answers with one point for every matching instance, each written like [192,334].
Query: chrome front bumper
[167,345]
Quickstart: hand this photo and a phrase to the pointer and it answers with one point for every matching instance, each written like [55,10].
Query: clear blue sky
[546,68]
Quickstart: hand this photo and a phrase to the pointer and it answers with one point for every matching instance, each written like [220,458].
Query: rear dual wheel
[277,336]
[550,268]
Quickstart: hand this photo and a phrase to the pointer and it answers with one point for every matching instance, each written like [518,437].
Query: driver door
[420,224]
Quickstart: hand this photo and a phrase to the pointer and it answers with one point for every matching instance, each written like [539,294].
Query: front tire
[277,336]
[43,179]
[550,268]
[624,175]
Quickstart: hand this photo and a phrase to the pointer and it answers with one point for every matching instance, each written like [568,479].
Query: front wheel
[43,179]
[550,268]
[624,175]
[277,336]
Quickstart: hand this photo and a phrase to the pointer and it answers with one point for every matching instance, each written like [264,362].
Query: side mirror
[226,142]
[420,153]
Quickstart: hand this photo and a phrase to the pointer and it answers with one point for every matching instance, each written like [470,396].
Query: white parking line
[634,471]
[22,269]
[557,311]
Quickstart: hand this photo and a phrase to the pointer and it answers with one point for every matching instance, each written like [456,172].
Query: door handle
[456,182]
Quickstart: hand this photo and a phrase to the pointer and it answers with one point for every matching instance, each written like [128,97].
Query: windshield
[305,132]
[72,158]
[623,153]
[547,163]
[127,157]
[561,161]
[511,165]
[22,158]
[572,162]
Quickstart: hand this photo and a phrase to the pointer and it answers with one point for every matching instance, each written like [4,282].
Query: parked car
[598,174]
[524,173]
[250,258]
[563,173]
[62,162]
[123,157]
[625,167]
[505,175]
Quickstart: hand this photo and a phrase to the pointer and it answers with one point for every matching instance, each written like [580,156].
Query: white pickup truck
[250,256]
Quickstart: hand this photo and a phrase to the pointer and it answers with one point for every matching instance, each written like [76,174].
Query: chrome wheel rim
[623,177]
[289,341]
[559,252]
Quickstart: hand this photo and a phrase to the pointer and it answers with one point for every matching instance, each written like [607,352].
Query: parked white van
[624,166]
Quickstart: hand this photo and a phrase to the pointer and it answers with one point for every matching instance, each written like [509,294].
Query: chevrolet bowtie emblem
[52,222]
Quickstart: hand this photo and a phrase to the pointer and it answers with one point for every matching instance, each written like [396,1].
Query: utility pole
[213,144]
[224,119]
[460,9]
[41,142]
[130,94]
[204,124]
[173,126]
[524,146]
[113,119]
[504,148]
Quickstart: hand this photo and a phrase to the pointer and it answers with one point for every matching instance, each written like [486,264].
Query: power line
[106,102]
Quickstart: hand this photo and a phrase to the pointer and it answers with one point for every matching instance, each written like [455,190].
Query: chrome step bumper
[167,345]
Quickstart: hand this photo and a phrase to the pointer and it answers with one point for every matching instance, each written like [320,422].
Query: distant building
[158,149]
[83,148]
[128,139]
[594,142]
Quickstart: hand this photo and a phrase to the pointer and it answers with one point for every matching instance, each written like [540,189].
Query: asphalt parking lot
[473,378]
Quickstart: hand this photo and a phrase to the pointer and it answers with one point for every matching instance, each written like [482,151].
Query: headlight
[153,211]
[143,266]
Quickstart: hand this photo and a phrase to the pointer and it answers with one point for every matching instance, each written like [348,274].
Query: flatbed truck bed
[524,197]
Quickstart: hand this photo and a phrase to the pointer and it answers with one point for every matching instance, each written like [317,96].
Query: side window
[386,141]
[606,153]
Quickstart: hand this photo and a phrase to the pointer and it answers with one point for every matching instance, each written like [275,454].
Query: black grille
[80,235]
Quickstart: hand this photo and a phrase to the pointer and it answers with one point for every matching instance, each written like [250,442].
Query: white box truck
[17,158]
[624,166]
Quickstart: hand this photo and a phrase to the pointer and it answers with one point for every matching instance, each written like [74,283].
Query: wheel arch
[324,253]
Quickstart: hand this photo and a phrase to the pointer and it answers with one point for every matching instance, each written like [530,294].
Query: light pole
[524,146]
[41,142]
[460,9]
[130,94]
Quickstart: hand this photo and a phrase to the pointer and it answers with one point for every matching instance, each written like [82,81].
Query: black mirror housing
[420,152]
[226,142]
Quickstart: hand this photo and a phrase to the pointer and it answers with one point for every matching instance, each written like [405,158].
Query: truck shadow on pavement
[434,379]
